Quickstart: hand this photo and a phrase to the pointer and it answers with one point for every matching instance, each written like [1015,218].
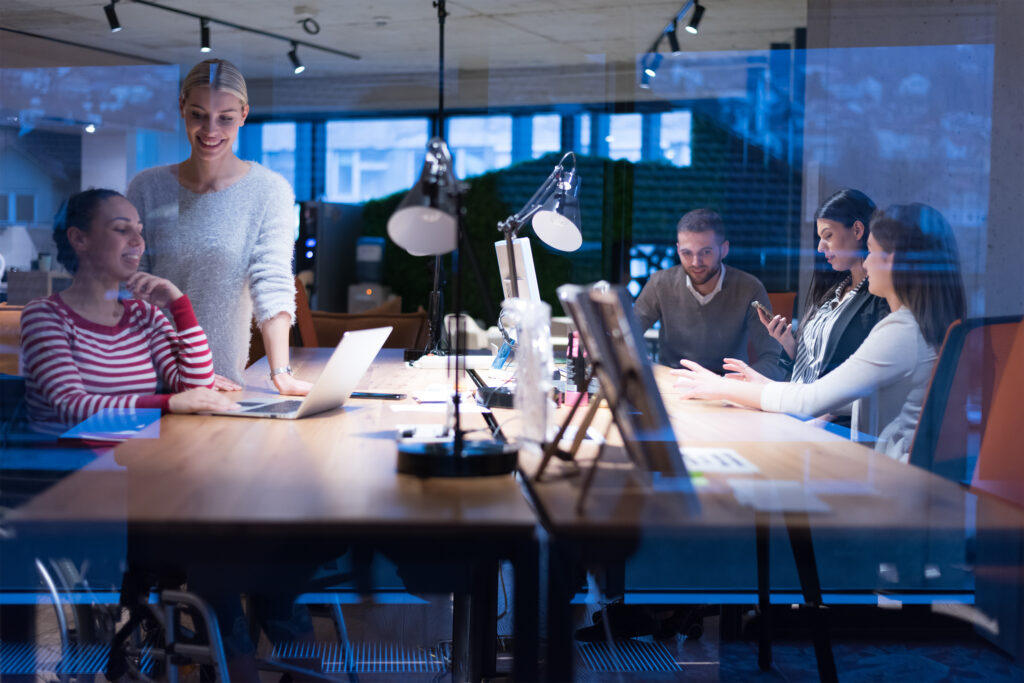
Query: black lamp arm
[514,223]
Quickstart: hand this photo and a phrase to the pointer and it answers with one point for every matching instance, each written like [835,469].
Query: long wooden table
[253,490]
[889,529]
[239,490]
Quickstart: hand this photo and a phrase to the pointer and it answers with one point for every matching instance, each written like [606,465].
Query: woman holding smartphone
[912,263]
[841,310]
[224,229]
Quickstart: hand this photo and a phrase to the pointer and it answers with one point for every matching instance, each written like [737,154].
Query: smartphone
[761,307]
[374,394]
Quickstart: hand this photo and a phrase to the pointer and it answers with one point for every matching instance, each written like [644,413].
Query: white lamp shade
[557,231]
[423,230]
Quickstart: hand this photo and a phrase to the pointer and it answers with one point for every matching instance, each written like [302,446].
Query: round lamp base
[479,458]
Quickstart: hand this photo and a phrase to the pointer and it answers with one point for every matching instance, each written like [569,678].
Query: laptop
[348,363]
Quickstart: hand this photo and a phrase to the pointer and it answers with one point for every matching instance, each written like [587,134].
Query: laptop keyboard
[279,408]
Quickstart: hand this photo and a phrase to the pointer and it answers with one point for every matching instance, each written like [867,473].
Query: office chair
[1000,470]
[973,355]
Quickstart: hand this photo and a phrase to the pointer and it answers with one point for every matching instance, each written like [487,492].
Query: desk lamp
[425,224]
[555,210]
[429,222]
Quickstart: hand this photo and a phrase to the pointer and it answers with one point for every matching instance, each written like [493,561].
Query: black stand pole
[458,457]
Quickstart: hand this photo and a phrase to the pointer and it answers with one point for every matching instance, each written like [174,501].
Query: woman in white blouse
[912,263]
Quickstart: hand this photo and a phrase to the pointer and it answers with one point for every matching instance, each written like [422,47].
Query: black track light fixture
[651,63]
[673,39]
[111,13]
[698,12]
[204,34]
[296,62]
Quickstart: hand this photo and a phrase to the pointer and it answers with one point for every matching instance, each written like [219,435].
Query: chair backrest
[10,338]
[410,329]
[957,405]
[782,303]
[304,317]
[1000,469]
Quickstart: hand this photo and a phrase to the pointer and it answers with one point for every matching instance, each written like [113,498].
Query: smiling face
[878,265]
[840,244]
[212,119]
[701,255]
[112,245]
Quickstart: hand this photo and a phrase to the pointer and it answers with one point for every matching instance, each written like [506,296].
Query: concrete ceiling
[395,36]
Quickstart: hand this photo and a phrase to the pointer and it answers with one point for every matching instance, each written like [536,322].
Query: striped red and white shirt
[74,367]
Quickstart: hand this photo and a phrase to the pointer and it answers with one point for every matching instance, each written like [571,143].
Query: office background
[770,108]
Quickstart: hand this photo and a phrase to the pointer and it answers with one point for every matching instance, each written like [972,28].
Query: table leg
[799,529]
[526,599]
[473,625]
[762,534]
[560,571]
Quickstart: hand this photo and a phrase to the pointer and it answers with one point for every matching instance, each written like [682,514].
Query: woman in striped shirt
[840,311]
[87,349]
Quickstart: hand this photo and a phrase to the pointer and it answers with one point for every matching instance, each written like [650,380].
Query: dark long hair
[926,265]
[78,211]
[846,206]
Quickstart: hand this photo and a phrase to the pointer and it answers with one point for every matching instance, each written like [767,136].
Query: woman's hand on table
[696,381]
[781,331]
[291,386]
[200,399]
[737,369]
[222,383]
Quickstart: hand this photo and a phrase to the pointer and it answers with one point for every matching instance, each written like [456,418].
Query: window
[480,143]
[624,135]
[24,208]
[371,158]
[18,208]
[676,128]
[279,149]
[583,133]
[547,134]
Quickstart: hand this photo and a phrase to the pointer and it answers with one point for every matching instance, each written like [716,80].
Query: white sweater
[887,377]
[230,251]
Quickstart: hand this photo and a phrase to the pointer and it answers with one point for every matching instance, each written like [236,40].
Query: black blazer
[850,330]
[852,327]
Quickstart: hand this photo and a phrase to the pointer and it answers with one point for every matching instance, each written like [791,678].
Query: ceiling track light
[208,21]
[294,56]
[698,12]
[204,35]
[673,39]
[651,63]
[111,13]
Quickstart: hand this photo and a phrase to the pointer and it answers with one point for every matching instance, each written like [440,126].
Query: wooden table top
[862,488]
[333,470]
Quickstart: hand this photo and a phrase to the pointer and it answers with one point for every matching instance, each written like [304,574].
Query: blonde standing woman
[223,229]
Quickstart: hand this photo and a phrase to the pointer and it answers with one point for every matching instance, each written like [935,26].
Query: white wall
[105,156]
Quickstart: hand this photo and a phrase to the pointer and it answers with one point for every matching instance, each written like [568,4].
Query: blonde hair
[218,74]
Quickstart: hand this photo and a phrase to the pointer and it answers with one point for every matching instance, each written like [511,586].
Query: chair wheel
[695,631]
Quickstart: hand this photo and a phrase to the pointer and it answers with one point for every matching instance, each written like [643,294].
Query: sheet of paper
[716,461]
[438,408]
[442,362]
[776,496]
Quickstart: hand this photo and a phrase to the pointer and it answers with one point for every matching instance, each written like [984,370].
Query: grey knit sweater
[707,334]
[230,251]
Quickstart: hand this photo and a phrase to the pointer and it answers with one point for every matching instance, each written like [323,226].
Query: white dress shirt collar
[702,299]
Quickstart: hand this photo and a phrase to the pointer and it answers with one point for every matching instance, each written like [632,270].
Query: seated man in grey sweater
[704,308]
